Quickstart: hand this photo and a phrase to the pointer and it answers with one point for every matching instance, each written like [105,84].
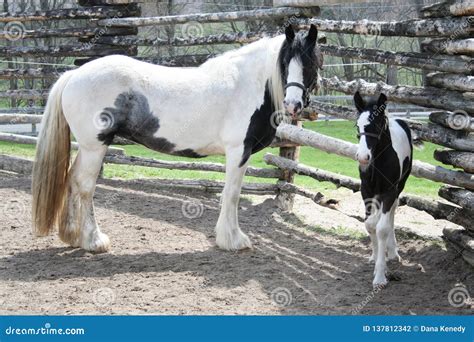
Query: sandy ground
[164,261]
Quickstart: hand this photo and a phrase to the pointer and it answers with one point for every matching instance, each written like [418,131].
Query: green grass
[309,156]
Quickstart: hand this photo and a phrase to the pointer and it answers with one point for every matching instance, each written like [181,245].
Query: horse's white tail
[51,166]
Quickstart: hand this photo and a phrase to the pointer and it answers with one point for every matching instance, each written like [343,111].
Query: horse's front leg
[228,233]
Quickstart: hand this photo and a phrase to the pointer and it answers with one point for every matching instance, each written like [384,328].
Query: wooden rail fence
[446,53]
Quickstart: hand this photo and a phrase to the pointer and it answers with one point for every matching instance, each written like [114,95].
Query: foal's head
[299,61]
[371,125]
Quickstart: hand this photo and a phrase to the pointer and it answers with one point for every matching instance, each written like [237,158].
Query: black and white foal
[385,160]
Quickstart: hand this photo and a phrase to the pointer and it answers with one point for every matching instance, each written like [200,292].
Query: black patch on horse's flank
[261,131]
[131,118]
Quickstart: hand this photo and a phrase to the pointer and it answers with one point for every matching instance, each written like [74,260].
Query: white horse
[222,107]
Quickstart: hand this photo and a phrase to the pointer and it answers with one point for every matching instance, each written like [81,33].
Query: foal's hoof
[99,243]
[234,243]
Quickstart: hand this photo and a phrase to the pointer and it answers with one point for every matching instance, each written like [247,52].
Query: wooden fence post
[285,200]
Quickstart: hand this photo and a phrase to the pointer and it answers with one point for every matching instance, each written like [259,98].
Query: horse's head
[371,124]
[299,61]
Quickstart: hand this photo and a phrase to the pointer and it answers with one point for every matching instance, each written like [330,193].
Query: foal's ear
[359,102]
[289,33]
[382,103]
[312,34]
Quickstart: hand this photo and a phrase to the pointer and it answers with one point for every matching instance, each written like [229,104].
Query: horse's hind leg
[81,229]
[228,233]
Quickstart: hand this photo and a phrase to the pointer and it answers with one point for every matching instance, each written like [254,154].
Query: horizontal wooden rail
[222,38]
[462,241]
[75,32]
[12,119]
[421,96]
[196,166]
[23,139]
[451,81]
[438,210]
[462,197]
[449,46]
[459,159]
[83,50]
[448,120]
[442,27]
[318,174]
[457,139]
[428,61]
[447,8]
[346,149]
[220,17]
[24,166]
[96,12]
[30,73]
[27,94]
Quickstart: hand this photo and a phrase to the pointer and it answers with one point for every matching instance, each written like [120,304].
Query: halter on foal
[385,160]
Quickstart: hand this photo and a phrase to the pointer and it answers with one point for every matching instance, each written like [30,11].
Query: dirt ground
[163,259]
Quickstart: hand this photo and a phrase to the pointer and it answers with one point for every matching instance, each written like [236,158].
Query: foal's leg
[228,233]
[370,225]
[372,213]
[81,229]
[392,250]
[383,229]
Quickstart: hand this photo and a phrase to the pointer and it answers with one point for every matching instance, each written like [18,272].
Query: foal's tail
[51,166]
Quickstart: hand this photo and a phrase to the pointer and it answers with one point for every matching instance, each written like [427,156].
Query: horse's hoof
[100,243]
[371,259]
[239,242]
[379,283]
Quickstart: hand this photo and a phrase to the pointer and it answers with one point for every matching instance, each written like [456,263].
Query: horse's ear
[382,103]
[289,33]
[313,34]
[359,102]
